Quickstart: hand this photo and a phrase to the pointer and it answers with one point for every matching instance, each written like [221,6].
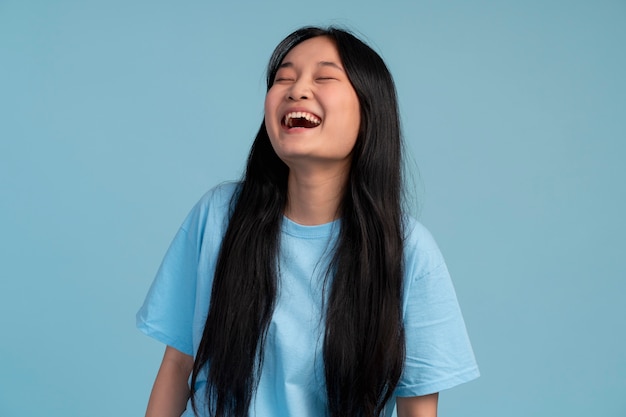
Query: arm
[422,406]
[171,391]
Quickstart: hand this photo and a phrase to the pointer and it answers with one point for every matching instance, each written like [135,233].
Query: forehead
[313,51]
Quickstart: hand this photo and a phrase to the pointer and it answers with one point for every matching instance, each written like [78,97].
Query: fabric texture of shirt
[438,352]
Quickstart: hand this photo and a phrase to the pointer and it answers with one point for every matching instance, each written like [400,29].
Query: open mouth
[300,119]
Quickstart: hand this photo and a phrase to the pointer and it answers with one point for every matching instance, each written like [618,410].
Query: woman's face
[312,112]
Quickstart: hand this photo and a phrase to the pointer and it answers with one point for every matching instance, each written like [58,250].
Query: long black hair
[364,347]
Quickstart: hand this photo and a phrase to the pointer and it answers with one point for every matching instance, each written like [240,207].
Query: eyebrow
[319,64]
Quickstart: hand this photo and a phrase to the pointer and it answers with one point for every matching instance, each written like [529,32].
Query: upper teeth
[301,115]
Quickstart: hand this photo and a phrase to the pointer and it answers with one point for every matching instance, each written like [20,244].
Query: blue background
[116,116]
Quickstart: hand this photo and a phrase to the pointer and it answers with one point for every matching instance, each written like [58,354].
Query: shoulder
[218,197]
[211,212]
[217,200]
[421,252]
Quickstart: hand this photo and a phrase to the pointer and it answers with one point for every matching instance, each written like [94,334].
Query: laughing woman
[304,290]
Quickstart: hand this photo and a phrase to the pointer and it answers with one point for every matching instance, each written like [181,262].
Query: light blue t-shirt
[438,351]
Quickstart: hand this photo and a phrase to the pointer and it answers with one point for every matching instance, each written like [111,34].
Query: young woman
[304,290]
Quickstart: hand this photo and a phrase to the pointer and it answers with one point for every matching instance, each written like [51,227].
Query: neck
[315,198]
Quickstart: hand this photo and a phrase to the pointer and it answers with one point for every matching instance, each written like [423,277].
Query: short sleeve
[168,310]
[438,351]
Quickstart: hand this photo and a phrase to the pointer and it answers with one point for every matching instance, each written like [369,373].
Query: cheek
[273,98]
[271,119]
[353,119]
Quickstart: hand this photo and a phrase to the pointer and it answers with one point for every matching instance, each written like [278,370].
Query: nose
[300,90]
